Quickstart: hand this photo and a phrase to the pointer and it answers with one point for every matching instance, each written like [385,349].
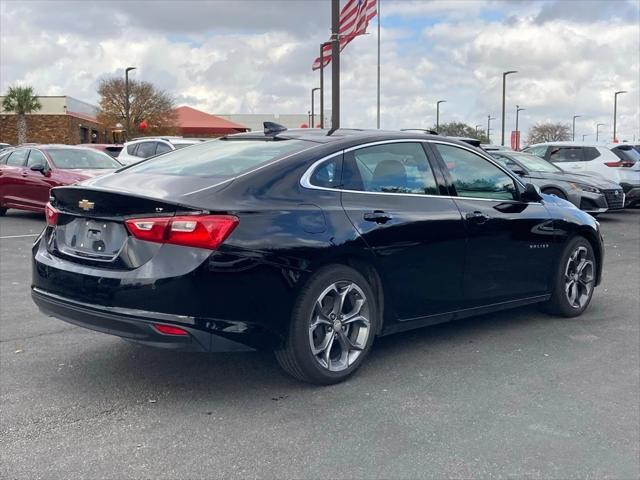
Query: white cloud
[246,59]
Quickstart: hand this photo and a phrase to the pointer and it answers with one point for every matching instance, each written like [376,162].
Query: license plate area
[92,239]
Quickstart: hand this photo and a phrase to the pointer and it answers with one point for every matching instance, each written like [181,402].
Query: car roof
[325,136]
[577,144]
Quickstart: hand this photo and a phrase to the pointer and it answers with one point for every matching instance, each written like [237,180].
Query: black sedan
[586,192]
[308,243]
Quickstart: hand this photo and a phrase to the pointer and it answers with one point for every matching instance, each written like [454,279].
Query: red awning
[197,122]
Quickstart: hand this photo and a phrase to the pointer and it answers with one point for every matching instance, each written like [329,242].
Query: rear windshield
[627,152]
[219,158]
[82,158]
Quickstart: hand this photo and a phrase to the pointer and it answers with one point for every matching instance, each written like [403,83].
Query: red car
[28,173]
[111,149]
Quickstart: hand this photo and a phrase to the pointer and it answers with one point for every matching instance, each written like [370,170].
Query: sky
[255,56]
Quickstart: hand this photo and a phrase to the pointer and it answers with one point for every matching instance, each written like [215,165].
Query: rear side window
[146,149]
[389,168]
[590,153]
[476,177]
[162,148]
[566,154]
[220,158]
[327,174]
[17,158]
[131,149]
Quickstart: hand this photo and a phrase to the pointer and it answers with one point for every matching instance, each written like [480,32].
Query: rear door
[12,175]
[509,246]
[392,197]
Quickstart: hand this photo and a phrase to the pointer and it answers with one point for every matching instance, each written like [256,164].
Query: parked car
[142,148]
[311,245]
[111,149]
[587,192]
[28,173]
[4,145]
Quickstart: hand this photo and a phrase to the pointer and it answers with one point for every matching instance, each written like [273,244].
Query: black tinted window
[390,168]
[146,149]
[566,154]
[162,148]
[17,158]
[590,153]
[327,174]
[473,176]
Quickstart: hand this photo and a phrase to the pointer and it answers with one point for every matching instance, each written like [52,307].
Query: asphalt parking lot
[515,394]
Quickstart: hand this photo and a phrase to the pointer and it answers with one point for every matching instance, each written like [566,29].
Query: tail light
[170,330]
[620,163]
[51,214]
[202,231]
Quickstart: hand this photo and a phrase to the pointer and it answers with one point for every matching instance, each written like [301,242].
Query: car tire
[556,192]
[574,280]
[2,211]
[330,297]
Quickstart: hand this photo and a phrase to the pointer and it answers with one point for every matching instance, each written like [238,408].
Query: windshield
[536,164]
[219,158]
[82,158]
[627,152]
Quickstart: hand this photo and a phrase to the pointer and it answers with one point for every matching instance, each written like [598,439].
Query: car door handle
[377,216]
[477,217]
[24,174]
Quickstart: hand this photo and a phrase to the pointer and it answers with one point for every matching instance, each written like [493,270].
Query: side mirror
[41,167]
[531,193]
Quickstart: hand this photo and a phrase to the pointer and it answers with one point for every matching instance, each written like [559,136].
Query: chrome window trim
[305,180]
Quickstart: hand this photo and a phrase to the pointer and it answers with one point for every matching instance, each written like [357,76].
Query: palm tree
[21,101]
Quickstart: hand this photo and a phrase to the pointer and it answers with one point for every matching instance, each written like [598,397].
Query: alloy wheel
[579,277]
[339,327]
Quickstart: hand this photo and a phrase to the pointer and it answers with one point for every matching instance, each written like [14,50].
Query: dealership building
[61,119]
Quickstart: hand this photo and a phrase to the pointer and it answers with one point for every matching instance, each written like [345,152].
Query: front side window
[390,168]
[474,176]
[36,158]
[565,154]
[17,158]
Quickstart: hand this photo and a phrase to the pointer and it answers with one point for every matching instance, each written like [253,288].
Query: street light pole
[598,125]
[479,125]
[313,115]
[127,105]
[504,90]
[438,113]
[615,111]
[489,118]
[573,129]
[335,64]
[322,45]
[518,110]
[585,135]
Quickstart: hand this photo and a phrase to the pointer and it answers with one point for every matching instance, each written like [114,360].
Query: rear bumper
[134,325]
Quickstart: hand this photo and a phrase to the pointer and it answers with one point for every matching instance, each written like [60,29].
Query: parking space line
[20,236]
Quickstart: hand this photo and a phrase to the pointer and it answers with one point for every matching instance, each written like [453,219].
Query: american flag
[354,19]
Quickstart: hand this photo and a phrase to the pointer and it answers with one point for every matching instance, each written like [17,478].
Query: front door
[509,242]
[37,184]
[392,198]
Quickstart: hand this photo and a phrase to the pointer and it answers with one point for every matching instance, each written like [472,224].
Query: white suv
[146,147]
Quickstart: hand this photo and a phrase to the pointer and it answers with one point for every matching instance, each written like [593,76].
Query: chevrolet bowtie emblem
[86,204]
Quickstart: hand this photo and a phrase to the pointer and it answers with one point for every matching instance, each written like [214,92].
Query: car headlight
[586,188]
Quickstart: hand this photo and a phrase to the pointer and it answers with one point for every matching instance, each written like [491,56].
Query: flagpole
[335,67]
[378,105]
